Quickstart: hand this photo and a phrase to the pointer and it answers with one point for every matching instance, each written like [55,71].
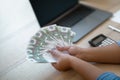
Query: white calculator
[101,40]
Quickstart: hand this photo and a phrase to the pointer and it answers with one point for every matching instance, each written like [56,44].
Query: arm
[86,70]
[107,54]
[66,61]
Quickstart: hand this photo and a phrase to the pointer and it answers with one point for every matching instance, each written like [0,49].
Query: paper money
[47,38]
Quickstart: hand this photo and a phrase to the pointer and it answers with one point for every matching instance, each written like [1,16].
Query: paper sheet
[116,17]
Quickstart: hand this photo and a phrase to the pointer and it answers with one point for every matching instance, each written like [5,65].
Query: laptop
[80,18]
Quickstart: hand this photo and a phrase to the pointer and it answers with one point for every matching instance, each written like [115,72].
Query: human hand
[66,62]
[73,50]
[95,54]
[63,60]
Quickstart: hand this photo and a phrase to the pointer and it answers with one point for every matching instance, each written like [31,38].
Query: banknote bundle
[47,38]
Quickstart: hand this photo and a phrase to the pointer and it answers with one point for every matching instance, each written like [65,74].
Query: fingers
[74,50]
[55,53]
[57,66]
[63,48]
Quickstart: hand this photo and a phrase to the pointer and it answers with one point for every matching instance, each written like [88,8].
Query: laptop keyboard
[78,14]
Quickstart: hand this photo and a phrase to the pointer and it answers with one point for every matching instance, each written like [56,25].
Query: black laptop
[81,18]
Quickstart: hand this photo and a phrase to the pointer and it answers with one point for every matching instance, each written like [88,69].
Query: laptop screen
[47,10]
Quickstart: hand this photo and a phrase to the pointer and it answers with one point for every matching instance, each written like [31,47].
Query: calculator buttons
[106,42]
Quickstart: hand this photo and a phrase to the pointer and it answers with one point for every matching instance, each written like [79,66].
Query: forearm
[86,70]
[107,54]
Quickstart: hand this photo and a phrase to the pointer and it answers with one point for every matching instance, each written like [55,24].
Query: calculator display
[98,40]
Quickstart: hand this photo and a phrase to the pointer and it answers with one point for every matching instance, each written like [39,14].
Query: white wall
[17,25]
[14,15]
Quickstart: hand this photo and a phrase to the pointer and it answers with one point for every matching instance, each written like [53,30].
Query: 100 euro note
[48,38]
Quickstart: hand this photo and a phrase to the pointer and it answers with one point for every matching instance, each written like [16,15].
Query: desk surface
[14,66]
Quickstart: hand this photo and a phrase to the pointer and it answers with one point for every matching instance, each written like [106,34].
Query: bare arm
[107,54]
[86,70]
[66,61]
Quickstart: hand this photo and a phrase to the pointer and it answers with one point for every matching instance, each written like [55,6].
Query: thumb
[65,48]
[55,53]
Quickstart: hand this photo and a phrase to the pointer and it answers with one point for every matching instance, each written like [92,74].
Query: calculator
[101,40]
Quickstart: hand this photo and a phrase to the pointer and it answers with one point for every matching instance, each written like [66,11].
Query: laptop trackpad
[89,23]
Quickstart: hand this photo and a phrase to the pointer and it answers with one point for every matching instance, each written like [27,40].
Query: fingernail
[49,51]
[71,47]
[58,46]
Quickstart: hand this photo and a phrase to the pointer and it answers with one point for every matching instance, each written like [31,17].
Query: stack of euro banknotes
[47,38]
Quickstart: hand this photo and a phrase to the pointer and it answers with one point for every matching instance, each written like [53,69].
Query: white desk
[17,24]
